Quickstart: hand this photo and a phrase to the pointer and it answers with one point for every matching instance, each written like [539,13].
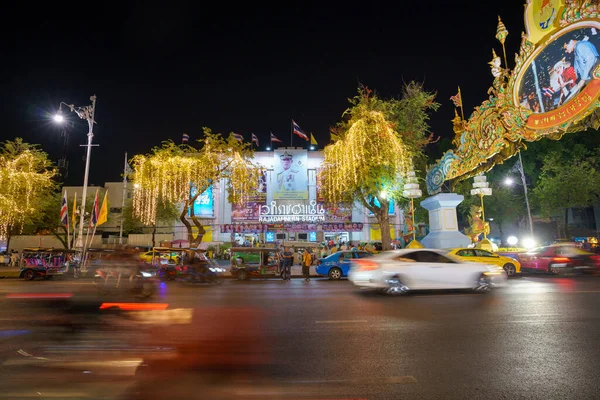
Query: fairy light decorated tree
[374,148]
[26,177]
[178,174]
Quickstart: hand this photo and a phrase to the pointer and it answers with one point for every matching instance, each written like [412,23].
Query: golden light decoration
[23,177]
[169,174]
[371,150]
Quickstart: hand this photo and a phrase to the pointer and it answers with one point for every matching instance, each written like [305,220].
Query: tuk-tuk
[256,262]
[39,262]
[164,255]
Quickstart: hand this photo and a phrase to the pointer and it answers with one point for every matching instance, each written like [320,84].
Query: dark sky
[161,70]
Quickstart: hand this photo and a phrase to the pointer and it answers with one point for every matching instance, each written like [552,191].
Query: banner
[337,212]
[348,227]
[257,198]
[290,175]
[203,206]
[243,228]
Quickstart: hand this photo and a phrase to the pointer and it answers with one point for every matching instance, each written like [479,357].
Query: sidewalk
[296,269]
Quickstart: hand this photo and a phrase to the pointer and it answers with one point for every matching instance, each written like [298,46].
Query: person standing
[306,263]
[288,260]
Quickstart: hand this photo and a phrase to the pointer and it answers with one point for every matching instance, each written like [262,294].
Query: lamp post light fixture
[482,188]
[412,191]
[87,113]
[518,167]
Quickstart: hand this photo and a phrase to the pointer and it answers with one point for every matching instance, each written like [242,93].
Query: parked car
[556,259]
[510,265]
[400,271]
[337,265]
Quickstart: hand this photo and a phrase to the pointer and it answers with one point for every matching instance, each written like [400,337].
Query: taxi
[510,265]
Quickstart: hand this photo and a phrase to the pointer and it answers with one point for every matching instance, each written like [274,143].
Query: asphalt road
[537,339]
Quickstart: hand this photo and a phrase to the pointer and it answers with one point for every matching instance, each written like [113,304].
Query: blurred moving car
[162,255]
[556,259]
[510,265]
[337,265]
[400,271]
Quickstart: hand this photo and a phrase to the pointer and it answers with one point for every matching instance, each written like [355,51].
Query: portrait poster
[343,227]
[561,70]
[290,175]
[203,206]
[337,212]
[258,197]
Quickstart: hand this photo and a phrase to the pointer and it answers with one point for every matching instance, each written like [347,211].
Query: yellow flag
[102,217]
[73,216]
[313,140]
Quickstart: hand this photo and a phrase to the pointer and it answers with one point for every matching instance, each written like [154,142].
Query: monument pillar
[443,224]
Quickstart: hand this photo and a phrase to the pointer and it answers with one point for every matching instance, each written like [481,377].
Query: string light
[370,146]
[23,178]
[168,175]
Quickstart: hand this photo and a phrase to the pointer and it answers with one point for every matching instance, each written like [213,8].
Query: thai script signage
[312,212]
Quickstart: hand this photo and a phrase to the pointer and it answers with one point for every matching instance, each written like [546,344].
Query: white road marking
[342,321]
[404,379]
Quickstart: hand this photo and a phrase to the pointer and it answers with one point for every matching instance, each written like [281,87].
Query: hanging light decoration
[370,149]
[169,175]
[23,178]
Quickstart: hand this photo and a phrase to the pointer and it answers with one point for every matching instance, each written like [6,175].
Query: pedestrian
[288,260]
[306,263]
[14,259]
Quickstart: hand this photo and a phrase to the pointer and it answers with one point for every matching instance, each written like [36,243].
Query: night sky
[161,70]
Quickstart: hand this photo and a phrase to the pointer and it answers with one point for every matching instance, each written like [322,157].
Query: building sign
[203,206]
[290,175]
[560,83]
[312,212]
[292,227]
[350,227]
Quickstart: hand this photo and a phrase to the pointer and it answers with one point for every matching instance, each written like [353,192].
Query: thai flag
[274,139]
[255,139]
[185,138]
[95,212]
[237,136]
[64,213]
[548,91]
[298,131]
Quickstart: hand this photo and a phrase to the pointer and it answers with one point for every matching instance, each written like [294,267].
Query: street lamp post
[87,113]
[519,167]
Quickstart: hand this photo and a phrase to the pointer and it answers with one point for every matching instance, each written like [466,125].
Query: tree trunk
[384,224]
[9,235]
[566,223]
[501,234]
[193,242]
[63,239]
[154,235]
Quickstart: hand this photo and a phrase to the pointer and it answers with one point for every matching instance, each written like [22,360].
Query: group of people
[285,260]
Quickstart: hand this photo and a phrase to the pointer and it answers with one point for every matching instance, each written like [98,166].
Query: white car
[399,271]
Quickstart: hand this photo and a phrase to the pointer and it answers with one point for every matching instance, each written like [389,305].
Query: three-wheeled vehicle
[38,262]
[254,262]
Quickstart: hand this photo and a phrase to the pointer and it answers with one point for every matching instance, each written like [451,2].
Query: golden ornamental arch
[552,90]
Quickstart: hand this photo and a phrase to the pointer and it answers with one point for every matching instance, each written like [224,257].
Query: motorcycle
[207,274]
[141,282]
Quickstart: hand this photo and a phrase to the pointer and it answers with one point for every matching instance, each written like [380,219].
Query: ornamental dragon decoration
[552,90]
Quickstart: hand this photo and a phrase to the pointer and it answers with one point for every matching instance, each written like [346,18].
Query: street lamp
[412,191]
[87,113]
[518,167]
[482,188]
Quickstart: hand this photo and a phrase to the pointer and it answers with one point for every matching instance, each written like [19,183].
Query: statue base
[414,244]
[443,224]
[485,244]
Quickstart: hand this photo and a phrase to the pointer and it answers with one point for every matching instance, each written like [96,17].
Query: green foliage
[568,180]
[375,145]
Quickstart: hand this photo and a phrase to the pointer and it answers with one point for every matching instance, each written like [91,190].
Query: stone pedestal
[443,225]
